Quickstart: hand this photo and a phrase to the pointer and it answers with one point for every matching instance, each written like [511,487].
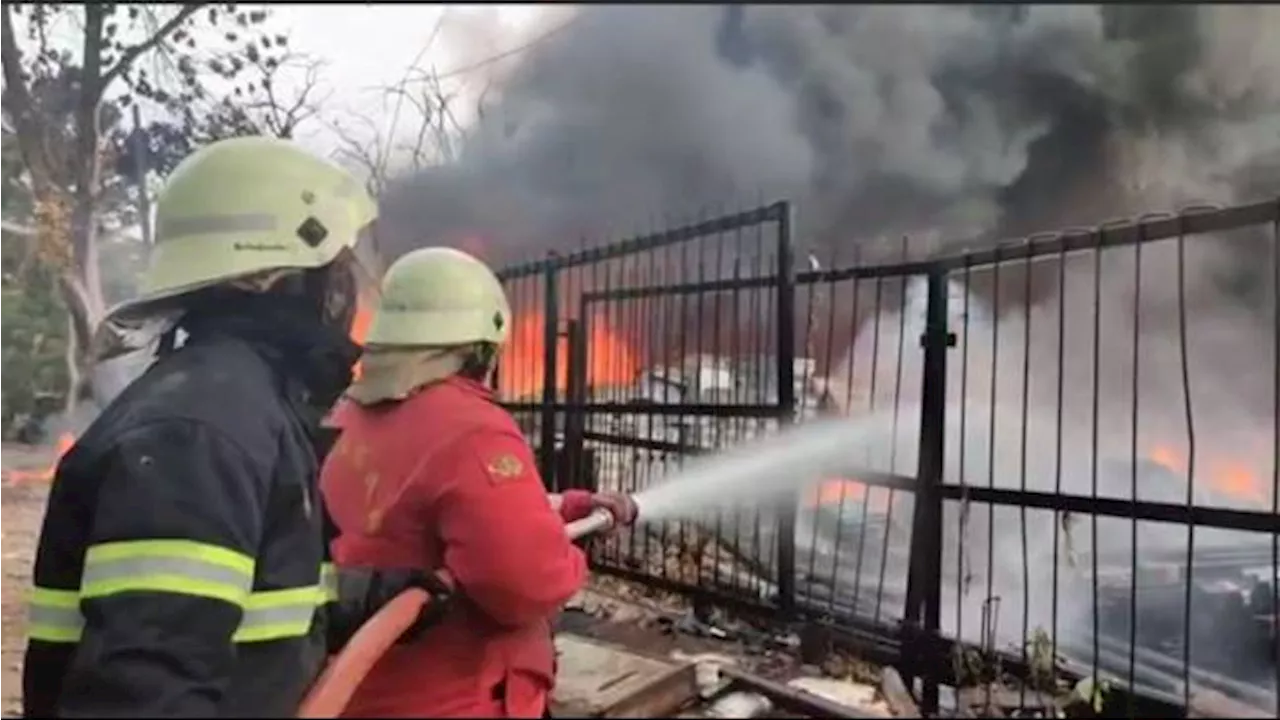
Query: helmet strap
[168,341]
[329,290]
[479,362]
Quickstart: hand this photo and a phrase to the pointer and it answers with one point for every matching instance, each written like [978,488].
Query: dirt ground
[23,509]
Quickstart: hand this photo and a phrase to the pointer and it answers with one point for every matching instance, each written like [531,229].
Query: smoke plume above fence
[876,120]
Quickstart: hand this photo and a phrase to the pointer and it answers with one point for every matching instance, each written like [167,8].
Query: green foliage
[33,335]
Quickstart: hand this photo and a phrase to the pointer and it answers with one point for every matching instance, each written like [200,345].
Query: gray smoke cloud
[876,120]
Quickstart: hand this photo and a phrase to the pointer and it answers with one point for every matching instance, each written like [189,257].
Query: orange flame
[1234,478]
[64,444]
[360,330]
[609,359]
[1167,458]
[833,492]
[1231,477]
[836,492]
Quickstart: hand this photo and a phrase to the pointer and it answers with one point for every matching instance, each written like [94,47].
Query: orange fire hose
[338,682]
[340,679]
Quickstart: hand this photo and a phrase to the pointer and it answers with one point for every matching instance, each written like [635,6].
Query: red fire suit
[445,479]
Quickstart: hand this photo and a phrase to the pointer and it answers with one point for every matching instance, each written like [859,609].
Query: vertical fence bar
[786,343]
[578,471]
[550,341]
[924,590]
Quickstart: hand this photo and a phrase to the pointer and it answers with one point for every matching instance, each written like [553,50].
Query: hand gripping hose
[335,686]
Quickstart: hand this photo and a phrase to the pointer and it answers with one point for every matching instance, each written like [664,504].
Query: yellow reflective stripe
[268,615]
[328,583]
[47,597]
[278,614]
[54,616]
[177,566]
[188,549]
[267,599]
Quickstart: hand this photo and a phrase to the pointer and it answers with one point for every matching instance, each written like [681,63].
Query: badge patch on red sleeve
[504,467]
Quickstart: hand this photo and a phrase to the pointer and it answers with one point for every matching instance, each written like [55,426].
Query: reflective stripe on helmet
[210,224]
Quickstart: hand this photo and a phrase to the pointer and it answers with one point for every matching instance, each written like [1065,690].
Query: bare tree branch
[438,127]
[408,73]
[287,119]
[365,154]
[16,229]
[133,52]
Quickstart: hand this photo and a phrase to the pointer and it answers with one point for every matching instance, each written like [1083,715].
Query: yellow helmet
[236,208]
[249,204]
[245,205]
[439,297]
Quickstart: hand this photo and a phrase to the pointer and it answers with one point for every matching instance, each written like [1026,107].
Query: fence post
[786,337]
[924,585]
[573,460]
[550,341]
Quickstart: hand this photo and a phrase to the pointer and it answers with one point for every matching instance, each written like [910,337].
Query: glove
[362,592]
[621,506]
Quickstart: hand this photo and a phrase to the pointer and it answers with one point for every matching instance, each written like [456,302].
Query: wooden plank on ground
[598,679]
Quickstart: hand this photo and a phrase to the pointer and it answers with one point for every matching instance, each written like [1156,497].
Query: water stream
[765,470]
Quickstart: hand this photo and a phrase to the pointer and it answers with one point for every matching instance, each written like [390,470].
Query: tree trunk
[82,282]
[84,311]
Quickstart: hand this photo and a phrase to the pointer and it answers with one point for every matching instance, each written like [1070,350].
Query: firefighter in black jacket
[179,570]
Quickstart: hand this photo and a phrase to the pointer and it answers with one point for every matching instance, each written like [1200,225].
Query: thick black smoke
[877,120]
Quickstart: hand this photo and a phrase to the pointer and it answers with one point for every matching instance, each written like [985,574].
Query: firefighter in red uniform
[431,476]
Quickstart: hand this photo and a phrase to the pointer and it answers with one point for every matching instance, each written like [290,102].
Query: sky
[367,47]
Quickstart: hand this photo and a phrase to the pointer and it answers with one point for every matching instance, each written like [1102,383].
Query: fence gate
[627,358]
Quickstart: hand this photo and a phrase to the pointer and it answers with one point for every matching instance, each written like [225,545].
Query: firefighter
[179,566]
[431,474]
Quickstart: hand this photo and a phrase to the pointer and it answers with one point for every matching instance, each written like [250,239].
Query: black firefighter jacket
[179,569]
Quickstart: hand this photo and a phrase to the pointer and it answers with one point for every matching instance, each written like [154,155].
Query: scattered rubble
[853,694]
[740,705]
[725,653]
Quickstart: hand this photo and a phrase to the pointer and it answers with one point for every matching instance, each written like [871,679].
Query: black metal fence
[1081,478]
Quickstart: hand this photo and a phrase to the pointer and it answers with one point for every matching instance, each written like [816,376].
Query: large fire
[1230,476]
[610,360]
[65,441]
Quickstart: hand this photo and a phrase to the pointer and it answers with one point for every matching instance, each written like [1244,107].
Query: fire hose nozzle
[599,520]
